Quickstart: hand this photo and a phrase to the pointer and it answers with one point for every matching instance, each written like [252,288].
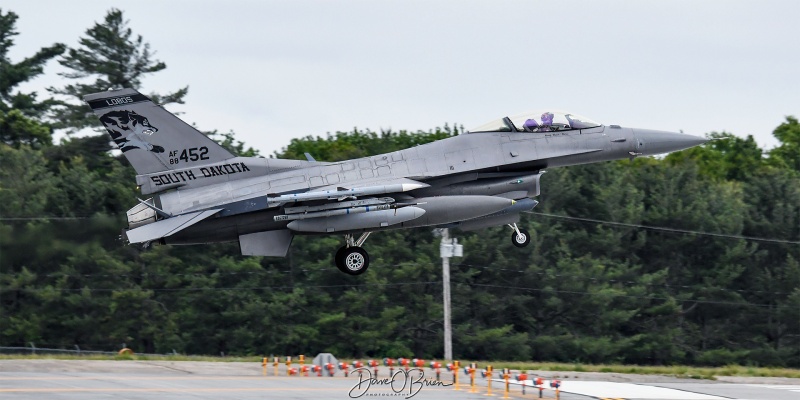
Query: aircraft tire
[521,240]
[355,260]
[339,258]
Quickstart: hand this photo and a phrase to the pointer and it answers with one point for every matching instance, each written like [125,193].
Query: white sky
[272,71]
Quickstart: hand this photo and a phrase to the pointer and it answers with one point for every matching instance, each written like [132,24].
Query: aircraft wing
[167,227]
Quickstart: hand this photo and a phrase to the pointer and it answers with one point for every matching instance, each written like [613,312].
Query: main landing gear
[519,237]
[351,258]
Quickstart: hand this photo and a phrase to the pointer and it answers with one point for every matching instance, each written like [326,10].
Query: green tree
[16,129]
[19,111]
[109,56]
[787,154]
[358,143]
[26,186]
[13,74]
[726,157]
[773,271]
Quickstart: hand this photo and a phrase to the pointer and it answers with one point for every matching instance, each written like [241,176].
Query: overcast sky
[273,71]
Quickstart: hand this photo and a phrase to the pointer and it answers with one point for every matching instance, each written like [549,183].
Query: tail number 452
[186,155]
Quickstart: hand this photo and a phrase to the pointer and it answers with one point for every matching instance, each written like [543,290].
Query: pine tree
[13,74]
[113,57]
[16,130]
[20,112]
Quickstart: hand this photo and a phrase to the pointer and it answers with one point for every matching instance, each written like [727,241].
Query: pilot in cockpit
[547,122]
[530,125]
[537,122]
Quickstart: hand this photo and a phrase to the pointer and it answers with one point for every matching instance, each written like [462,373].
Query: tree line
[693,258]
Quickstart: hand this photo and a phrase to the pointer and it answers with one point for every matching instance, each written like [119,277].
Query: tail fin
[150,137]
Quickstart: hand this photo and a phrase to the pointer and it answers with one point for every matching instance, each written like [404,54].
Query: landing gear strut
[520,237]
[351,258]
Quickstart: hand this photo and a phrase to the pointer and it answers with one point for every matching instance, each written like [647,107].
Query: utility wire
[664,229]
[547,215]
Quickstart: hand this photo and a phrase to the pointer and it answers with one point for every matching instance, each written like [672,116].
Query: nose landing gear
[519,237]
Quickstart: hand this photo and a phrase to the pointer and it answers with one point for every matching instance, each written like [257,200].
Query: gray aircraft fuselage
[481,163]
[488,177]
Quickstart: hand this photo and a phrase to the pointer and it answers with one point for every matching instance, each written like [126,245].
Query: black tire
[521,241]
[339,258]
[355,261]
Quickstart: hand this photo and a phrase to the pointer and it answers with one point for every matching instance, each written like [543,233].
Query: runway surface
[54,379]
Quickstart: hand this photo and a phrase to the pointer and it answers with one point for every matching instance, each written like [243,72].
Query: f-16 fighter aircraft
[201,193]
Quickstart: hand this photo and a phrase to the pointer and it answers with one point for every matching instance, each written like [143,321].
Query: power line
[665,229]
[581,219]
[566,217]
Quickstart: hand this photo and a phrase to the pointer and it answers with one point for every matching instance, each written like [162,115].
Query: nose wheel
[351,258]
[519,237]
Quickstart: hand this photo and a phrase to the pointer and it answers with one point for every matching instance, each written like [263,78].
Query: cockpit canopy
[538,121]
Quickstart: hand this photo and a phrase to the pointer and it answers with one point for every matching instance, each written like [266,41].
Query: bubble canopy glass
[538,121]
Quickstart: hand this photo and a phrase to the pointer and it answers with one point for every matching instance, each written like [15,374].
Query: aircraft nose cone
[657,142]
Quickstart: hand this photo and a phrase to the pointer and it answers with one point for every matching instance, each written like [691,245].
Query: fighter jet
[201,193]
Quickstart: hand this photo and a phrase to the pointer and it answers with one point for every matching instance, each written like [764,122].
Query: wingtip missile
[407,187]
[344,193]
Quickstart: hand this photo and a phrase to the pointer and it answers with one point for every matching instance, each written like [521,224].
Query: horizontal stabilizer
[167,227]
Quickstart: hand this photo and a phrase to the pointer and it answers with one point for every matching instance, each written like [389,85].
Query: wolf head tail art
[130,130]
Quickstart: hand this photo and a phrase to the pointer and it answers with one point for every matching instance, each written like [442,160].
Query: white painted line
[791,388]
[779,387]
[621,390]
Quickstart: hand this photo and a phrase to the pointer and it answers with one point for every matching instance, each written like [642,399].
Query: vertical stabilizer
[150,137]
